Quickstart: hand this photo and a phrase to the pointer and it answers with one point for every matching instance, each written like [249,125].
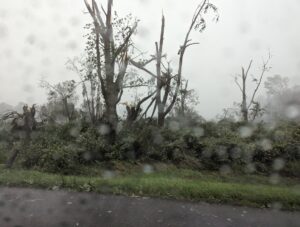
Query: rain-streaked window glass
[149,113]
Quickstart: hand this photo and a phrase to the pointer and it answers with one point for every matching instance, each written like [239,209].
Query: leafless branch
[125,43]
[149,106]
[238,84]
[265,69]
[135,86]
[248,69]
[141,67]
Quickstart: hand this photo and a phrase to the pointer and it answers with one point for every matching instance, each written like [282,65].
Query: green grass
[170,183]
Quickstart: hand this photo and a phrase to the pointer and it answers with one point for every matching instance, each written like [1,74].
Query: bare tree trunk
[133,112]
[66,107]
[163,79]
[110,113]
[183,99]
[246,105]
[159,51]
[244,101]
[10,161]
[28,118]
[160,118]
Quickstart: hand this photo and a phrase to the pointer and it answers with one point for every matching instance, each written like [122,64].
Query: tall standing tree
[113,45]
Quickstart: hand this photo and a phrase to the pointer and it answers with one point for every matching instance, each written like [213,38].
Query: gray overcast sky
[38,36]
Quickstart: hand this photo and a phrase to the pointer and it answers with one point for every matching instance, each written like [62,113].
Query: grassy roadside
[170,183]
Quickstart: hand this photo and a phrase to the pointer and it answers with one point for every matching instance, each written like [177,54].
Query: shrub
[4,149]
[93,146]
[54,158]
[60,148]
[49,151]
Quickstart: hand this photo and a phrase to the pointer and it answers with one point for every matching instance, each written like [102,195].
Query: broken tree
[242,82]
[112,57]
[22,125]
[168,84]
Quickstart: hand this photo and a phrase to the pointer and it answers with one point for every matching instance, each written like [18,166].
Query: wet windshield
[149,113]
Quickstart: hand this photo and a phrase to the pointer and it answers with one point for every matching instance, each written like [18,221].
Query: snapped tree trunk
[244,101]
[10,161]
[115,59]
[247,104]
[29,123]
[66,107]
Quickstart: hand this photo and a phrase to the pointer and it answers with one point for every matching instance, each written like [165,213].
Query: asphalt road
[30,208]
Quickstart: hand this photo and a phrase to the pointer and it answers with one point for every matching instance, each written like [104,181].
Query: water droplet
[75,132]
[3,13]
[278,164]
[206,153]
[63,32]
[244,27]
[28,88]
[174,126]
[31,39]
[108,174]
[46,61]
[292,111]
[61,119]
[229,219]
[148,169]
[74,21]
[104,129]
[250,168]
[221,151]
[245,131]
[198,132]
[276,206]
[143,32]
[236,153]
[274,178]
[225,169]
[87,156]
[158,139]
[3,31]
[72,45]
[266,144]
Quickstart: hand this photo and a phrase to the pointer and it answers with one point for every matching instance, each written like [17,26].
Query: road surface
[30,207]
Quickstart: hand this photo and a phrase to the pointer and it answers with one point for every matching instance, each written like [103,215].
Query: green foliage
[4,148]
[207,145]
[224,151]
[171,183]
[93,146]
[56,158]
[51,150]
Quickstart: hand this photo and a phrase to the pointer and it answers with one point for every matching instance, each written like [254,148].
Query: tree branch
[264,70]
[238,84]
[124,45]
[141,67]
